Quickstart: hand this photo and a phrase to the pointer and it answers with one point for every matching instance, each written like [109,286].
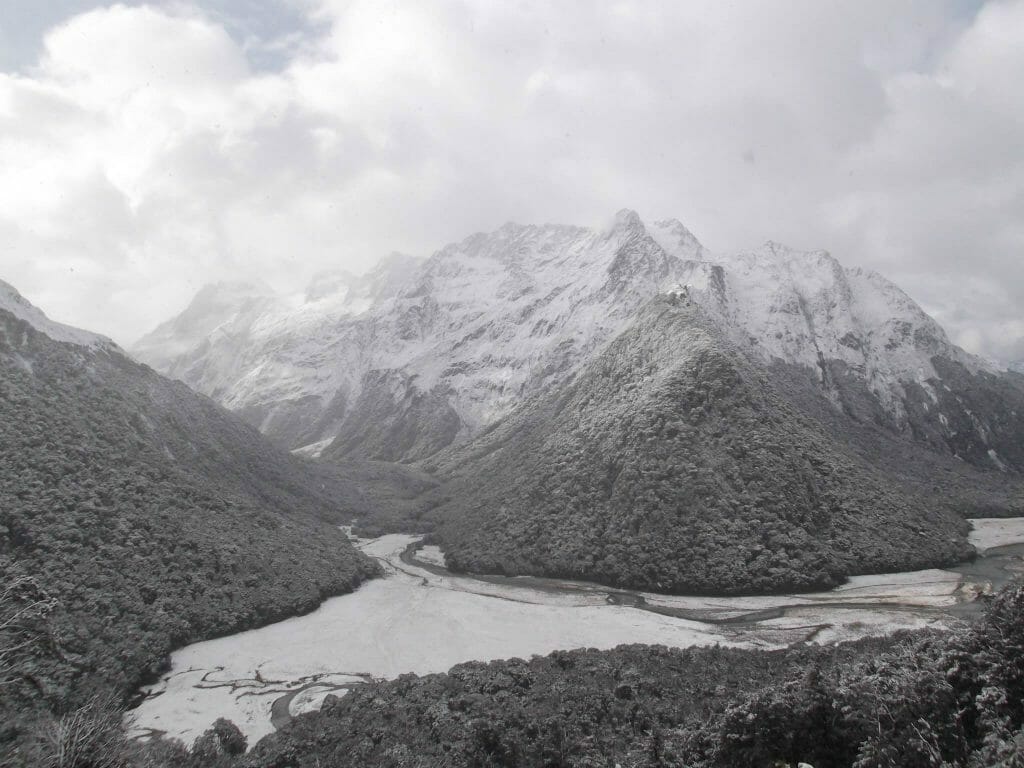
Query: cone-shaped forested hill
[669,463]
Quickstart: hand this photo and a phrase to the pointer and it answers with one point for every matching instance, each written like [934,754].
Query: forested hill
[671,464]
[144,517]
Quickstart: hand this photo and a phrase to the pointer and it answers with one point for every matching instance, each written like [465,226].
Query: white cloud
[143,155]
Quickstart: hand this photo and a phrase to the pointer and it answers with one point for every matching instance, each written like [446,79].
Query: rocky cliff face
[805,308]
[435,351]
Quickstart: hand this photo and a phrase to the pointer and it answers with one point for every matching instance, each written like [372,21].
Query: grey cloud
[882,132]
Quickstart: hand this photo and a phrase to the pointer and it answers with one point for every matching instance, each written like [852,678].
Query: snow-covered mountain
[805,308]
[463,335]
[419,355]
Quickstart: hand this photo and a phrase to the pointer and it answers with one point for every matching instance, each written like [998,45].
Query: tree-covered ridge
[671,464]
[150,516]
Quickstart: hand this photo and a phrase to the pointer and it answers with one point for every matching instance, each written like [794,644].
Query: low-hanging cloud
[145,154]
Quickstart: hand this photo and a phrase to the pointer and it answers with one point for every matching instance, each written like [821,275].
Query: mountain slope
[16,305]
[148,513]
[172,345]
[670,463]
[456,342]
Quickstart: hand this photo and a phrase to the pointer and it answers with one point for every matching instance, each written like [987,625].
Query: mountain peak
[773,249]
[675,226]
[213,298]
[213,305]
[677,240]
[396,260]
[627,218]
[627,226]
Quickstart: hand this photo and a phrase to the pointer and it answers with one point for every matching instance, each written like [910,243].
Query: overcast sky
[146,149]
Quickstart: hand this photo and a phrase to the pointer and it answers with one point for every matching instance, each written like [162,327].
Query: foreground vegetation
[920,700]
[135,517]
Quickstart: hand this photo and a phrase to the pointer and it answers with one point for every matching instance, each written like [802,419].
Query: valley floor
[422,619]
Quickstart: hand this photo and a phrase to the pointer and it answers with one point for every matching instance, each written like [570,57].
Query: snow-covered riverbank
[419,619]
[992,532]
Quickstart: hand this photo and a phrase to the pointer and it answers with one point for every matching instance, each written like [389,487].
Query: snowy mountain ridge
[805,308]
[419,354]
[21,308]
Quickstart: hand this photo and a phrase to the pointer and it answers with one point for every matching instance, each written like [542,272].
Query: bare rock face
[875,355]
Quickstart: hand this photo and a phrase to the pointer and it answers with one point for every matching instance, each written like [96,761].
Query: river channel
[421,618]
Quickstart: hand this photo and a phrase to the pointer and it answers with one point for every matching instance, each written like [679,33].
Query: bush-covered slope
[671,464]
[151,517]
[571,708]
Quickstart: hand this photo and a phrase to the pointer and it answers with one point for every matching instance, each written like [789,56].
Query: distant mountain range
[420,355]
[619,405]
